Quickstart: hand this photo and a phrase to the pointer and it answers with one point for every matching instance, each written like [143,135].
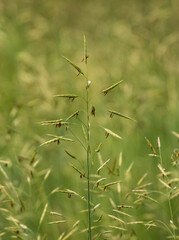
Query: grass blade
[118,228]
[141,179]
[85,50]
[76,169]
[110,184]
[120,115]
[175,134]
[108,131]
[116,218]
[70,233]
[70,96]
[56,139]
[150,145]
[69,154]
[57,222]
[102,166]
[105,91]
[43,214]
[73,115]
[76,67]
[98,148]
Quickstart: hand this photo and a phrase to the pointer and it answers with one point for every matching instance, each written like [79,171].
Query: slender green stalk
[171,216]
[88,141]
[169,201]
[88,165]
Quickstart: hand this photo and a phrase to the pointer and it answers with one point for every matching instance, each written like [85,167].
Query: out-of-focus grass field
[136,41]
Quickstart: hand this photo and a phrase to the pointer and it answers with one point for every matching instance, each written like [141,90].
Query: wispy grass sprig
[75,66]
[105,91]
[112,112]
[56,139]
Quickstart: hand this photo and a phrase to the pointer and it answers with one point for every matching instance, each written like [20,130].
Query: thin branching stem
[169,200]
[77,138]
[88,165]
[171,216]
[88,140]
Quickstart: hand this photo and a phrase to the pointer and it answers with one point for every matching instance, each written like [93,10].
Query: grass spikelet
[57,222]
[86,229]
[84,132]
[152,155]
[56,213]
[100,180]
[140,191]
[73,115]
[150,224]
[55,190]
[70,96]
[175,134]
[56,139]
[110,184]
[142,178]
[14,220]
[50,122]
[118,187]
[174,180]
[119,115]
[122,213]
[176,194]
[105,91]
[76,169]
[165,184]
[69,154]
[47,174]
[96,236]
[175,156]
[3,189]
[145,196]
[111,170]
[99,219]
[4,209]
[124,206]
[76,67]
[158,143]
[96,206]
[171,237]
[69,193]
[100,158]
[116,218]
[150,145]
[118,228]
[6,163]
[144,185]
[3,172]
[76,224]
[129,168]
[85,51]
[2,234]
[61,236]
[98,148]
[32,159]
[104,164]
[108,131]
[120,159]
[43,214]
[112,203]
[135,222]
[162,170]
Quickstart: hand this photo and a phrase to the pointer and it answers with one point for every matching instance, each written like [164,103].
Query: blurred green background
[136,41]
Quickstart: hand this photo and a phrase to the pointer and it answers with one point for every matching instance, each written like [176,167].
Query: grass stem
[88,140]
